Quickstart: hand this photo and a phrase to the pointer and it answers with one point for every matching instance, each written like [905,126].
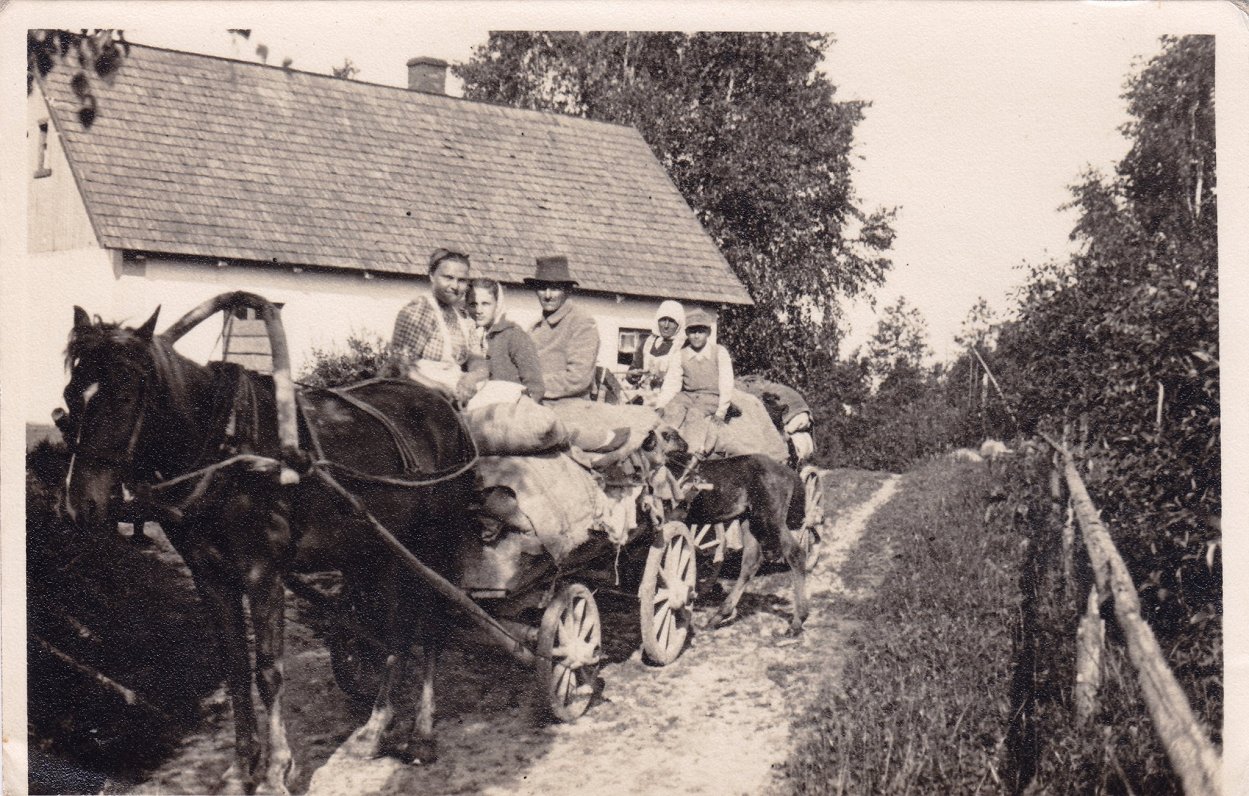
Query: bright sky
[982,112]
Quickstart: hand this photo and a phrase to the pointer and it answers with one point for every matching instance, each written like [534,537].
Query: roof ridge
[484,103]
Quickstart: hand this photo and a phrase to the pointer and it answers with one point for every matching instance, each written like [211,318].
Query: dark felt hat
[699,317]
[552,270]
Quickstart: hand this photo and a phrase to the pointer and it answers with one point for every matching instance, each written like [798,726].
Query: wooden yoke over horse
[248,478]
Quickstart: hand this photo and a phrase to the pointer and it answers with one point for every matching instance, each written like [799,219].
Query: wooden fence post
[1187,745]
[1090,639]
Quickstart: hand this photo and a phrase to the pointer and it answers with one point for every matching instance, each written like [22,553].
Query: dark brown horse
[140,415]
[773,498]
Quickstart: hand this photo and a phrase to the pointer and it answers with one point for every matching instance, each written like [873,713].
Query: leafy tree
[1126,334]
[345,72]
[900,344]
[980,326]
[749,130]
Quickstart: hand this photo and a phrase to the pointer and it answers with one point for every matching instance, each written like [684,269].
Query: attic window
[41,157]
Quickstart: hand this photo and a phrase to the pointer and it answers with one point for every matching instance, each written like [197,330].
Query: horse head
[110,372]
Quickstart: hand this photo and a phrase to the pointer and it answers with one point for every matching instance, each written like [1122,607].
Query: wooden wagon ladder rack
[1188,748]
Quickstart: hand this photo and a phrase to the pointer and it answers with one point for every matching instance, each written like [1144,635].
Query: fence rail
[1188,748]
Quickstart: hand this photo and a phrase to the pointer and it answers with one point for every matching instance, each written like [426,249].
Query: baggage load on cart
[547,505]
[788,409]
[751,431]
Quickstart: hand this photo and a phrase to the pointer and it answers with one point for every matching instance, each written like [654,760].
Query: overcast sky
[982,113]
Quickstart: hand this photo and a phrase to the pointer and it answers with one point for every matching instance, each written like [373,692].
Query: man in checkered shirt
[433,338]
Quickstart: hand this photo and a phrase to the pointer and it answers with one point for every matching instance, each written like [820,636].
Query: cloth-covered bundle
[515,429]
[591,417]
[559,498]
[787,398]
[751,432]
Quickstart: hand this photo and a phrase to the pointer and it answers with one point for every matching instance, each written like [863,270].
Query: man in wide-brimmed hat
[566,336]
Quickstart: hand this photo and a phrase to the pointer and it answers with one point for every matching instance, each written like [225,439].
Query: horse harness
[237,414]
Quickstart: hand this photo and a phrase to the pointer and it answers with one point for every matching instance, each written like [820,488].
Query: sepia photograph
[537,398]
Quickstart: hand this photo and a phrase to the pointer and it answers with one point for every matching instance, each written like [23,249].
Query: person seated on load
[650,361]
[433,338]
[510,352]
[699,383]
[566,336]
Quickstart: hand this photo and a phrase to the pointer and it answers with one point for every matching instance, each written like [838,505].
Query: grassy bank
[923,705]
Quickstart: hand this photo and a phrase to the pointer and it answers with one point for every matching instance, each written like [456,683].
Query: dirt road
[715,721]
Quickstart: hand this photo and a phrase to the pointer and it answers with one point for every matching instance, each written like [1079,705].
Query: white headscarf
[674,310]
[480,332]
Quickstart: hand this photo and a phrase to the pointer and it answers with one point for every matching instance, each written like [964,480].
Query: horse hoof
[424,752]
[725,620]
[232,782]
[279,777]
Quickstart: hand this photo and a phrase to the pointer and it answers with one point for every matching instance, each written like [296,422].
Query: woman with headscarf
[510,352]
[651,359]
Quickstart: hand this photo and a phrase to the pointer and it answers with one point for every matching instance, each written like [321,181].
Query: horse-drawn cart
[545,612]
[538,606]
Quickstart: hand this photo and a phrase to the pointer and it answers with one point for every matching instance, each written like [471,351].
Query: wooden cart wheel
[357,663]
[570,648]
[666,595]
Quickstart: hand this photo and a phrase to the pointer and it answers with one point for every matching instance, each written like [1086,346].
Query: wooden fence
[1192,755]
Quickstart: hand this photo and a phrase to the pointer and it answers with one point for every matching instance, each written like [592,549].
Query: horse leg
[411,737]
[225,606]
[435,631]
[370,740]
[268,600]
[796,557]
[752,557]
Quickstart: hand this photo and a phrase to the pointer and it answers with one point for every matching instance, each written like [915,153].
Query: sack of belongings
[556,499]
[586,418]
[515,429]
[748,430]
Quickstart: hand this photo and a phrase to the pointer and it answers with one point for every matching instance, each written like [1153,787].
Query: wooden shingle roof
[204,156]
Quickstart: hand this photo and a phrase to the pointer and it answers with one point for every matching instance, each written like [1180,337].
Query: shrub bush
[365,358]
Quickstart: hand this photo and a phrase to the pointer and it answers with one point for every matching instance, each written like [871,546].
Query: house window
[245,340]
[630,341]
[41,156]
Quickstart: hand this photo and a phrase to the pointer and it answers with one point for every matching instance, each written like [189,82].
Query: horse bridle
[70,434]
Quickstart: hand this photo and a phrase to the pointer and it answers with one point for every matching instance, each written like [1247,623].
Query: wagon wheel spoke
[685,560]
[563,684]
[665,630]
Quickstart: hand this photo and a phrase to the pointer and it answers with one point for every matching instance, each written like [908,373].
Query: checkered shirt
[418,336]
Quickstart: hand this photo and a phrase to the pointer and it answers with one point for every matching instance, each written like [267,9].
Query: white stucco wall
[321,310]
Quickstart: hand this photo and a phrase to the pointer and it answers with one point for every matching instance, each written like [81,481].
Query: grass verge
[923,704]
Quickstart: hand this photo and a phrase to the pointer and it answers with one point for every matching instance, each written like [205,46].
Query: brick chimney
[427,75]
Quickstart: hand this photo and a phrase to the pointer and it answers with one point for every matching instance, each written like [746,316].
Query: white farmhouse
[201,175]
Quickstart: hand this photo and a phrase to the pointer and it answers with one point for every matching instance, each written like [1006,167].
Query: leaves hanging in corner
[80,85]
[86,114]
